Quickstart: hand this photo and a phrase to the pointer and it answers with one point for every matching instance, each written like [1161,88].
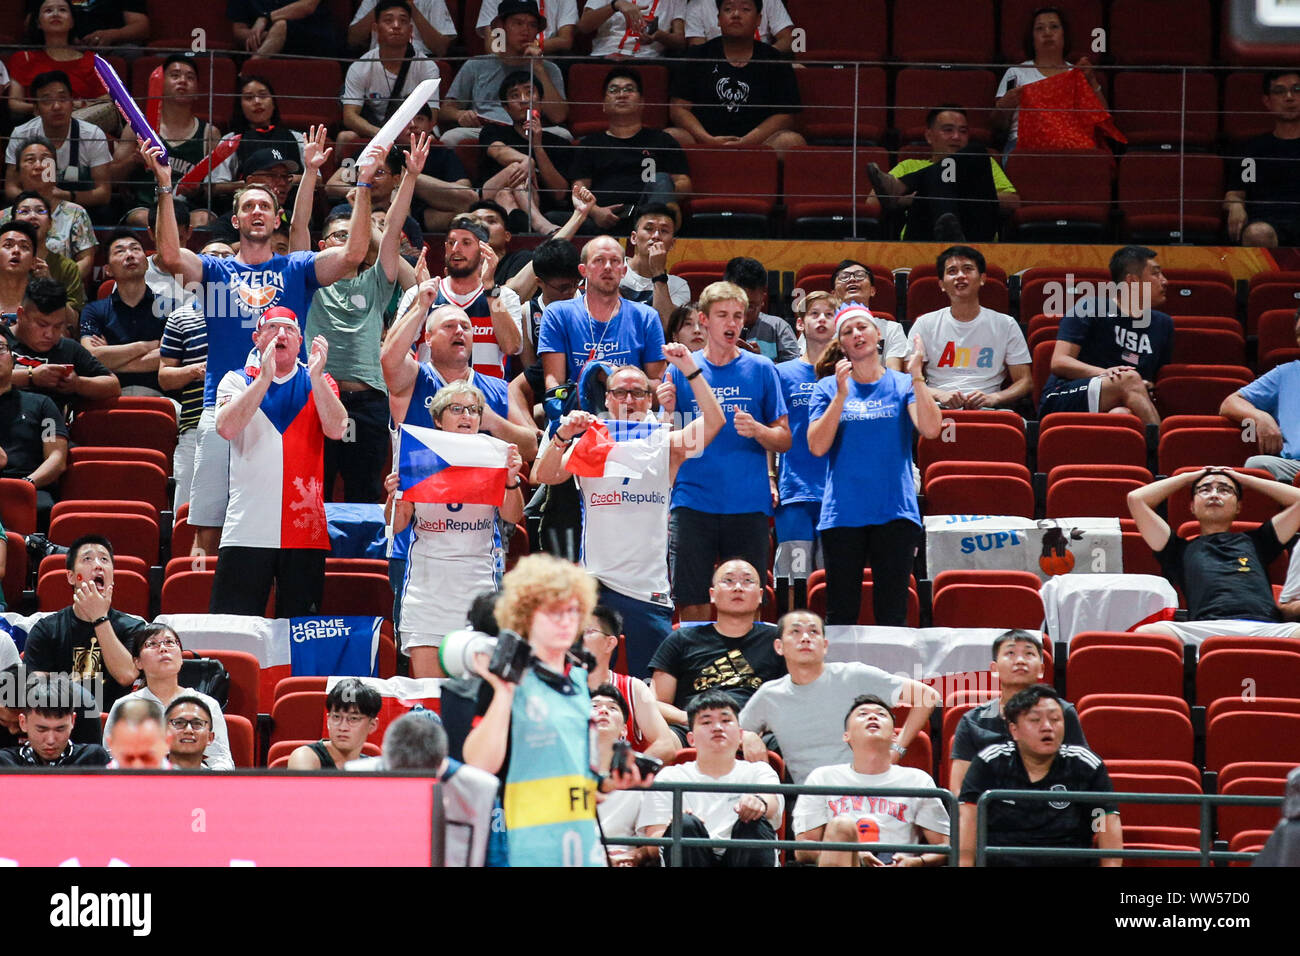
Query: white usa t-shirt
[891,819]
[970,356]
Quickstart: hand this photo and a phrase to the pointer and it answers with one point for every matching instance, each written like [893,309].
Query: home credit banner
[301,647]
[1048,547]
[226,819]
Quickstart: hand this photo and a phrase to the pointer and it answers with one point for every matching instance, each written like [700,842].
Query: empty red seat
[1190,447]
[942,31]
[939,469]
[1052,292]
[828,95]
[368,595]
[1238,672]
[721,202]
[116,480]
[988,605]
[1166,110]
[818,192]
[129,427]
[972,441]
[1124,669]
[1198,297]
[18,505]
[1137,733]
[1238,819]
[1090,497]
[1265,298]
[187,592]
[833,36]
[1090,444]
[1063,196]
[699,273]
[172,25]
[131,534]
[979,495]
[245,682]
[1251,735]
[1172,197]
[1193,395]
[1139,701]
[1158,32]
[1155,814]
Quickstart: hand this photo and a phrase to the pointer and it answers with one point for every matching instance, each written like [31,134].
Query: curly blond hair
[539,580]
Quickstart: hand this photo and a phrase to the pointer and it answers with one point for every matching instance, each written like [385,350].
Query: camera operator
[533,732]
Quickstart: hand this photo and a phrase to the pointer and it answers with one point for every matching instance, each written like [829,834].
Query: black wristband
[562,442]
[517,483]
[661,277]
[693,375]
[98,621]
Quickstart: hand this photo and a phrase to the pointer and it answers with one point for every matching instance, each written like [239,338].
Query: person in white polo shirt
[972,351]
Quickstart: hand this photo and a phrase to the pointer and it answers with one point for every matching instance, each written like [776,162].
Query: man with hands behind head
[276,418]
[1223,573]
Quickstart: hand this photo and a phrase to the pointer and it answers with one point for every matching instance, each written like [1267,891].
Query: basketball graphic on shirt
[1056,557]
[257,298]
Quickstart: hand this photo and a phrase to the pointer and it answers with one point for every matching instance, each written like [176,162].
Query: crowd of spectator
[299,335]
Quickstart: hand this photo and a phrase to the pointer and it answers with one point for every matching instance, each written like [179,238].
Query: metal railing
[675,841]
[1205,801]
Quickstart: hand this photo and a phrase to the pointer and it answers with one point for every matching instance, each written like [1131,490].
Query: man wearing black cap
[273,168]
[474,95]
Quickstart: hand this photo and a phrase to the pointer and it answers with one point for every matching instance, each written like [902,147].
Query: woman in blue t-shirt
[869,510]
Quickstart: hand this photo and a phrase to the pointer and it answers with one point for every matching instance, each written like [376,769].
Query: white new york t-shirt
[972,355]
[895,819]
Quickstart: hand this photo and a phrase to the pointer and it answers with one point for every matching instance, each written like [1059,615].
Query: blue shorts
[1081,395]
[797,551]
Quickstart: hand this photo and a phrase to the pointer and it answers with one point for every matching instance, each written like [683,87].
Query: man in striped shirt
[181,366]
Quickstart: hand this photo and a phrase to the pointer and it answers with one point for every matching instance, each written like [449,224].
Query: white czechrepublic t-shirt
[970,355]
[896,818]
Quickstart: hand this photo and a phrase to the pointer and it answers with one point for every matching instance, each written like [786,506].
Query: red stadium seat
[722,204]
[245,682]
[1065,197]
[294,685]
[369,595]
[833,36]
[17,505]
[1193,395]
[988,605]
[926,295]
[130,592]
[1124,669]
[1264,298]
[172,25]
[1237,672]
[142,508]
[1138,558]
[1090,444]
[1024,579]
[1049,291]
[1172,197]
[305,93]
[1208,346]
[1137,733]
[919,89]
[1155,814]
[1090,497]
[1122,472]
[586,96]
[979,495]
[79,453]
[828,94]
[129,427]
[1238,819]
[280,751]
[1125,639]
[1233,705]
[1239,735]
[15,563]
[188,592]
[1141,34]
[1138,701]
[1239,373]
[1221,642]
[1276,357]
[1091,420]
[973,441]
[1276,330]
[1198,297]
[819,202]
[942,31]
[699,273]
[1275,277]
[116,480]
[940,469]
[1254,769]
[1166,110]
[189,562]
[1191,447]
[240,731]
[131,534]
[298,716]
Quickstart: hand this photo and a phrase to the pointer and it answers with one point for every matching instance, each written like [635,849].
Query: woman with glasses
[534,734]
[71,231]
[456,551]
[156,652]
[861,417]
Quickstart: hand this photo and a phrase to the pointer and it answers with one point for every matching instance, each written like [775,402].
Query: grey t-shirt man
[350,314]
[773,336]
[808,719]
[479,84]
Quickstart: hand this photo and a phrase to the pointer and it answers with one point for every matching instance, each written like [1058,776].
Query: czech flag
[614,449]
[439,467]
